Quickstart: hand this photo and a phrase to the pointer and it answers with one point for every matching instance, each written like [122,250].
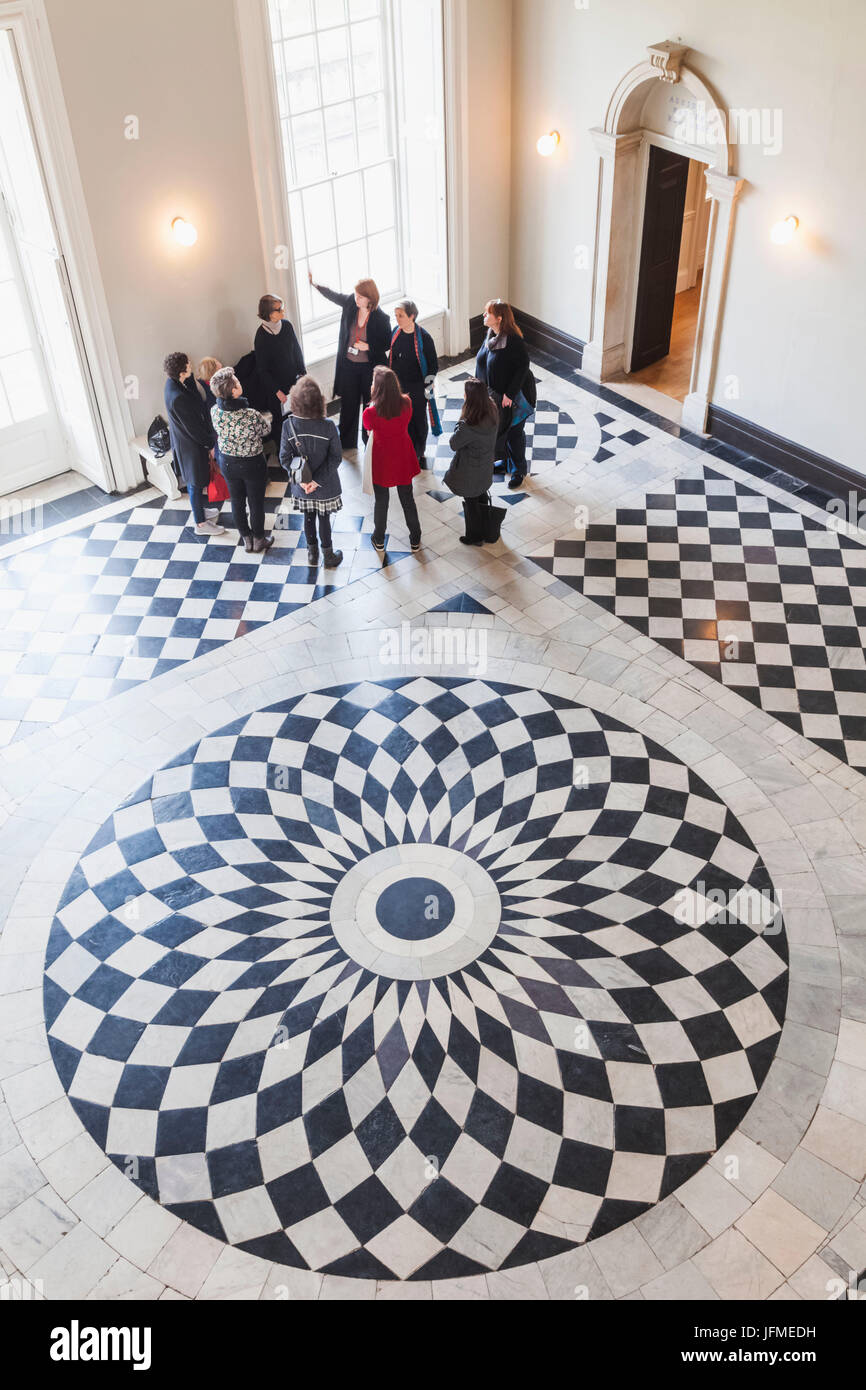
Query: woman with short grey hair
[241,432]
[415,362]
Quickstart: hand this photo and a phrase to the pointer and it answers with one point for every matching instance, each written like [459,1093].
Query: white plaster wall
[490,63]
[173,64]
[792,339]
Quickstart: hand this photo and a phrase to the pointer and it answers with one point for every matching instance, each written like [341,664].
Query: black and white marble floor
[767,600]
[523,959]
[416,980]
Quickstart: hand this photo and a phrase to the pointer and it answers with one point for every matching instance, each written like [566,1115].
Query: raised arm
[335,297]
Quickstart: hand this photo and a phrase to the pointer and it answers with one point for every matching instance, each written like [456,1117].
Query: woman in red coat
[395,462]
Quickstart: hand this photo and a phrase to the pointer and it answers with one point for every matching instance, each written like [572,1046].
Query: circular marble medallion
[416,979]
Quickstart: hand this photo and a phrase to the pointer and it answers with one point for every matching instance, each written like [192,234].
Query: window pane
[5,412]
[319,217]
[367,57]
[14,334]
[340,127]
[349,206]
[23,386]
[354,263]
[300,69]
[305,292]
[326,271]
[379,189]
[296,214]
[291,17]
[5,263]
[363,9]
[330,12]
[383,262]
[334,65]
[372,129]
[308,141]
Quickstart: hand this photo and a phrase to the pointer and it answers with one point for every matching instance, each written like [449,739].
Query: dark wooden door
[660,256]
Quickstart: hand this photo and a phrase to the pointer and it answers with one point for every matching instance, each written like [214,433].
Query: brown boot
[248,544]
[262,543]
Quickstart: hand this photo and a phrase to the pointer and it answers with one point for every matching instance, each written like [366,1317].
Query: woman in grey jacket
[308,434]
[474,443]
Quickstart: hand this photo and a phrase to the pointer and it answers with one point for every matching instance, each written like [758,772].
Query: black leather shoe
[516,481]
[259,546]
[312,558]
[333,558]
[464,540]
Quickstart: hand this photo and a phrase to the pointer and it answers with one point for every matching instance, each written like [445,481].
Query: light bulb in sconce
[548,143]
[783,232]
[184,231]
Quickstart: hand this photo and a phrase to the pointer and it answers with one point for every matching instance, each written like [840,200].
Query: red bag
[217,488]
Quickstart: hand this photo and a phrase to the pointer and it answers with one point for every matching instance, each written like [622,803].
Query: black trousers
[419,425]
[355,390]
[324,530]
[410,511]
[247,479]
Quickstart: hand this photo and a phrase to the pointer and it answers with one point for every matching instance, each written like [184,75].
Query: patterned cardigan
[240,429]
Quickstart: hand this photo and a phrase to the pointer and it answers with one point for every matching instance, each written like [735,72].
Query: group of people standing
[385,382]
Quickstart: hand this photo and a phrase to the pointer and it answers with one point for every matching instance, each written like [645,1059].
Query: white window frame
[267,159]
[329,314]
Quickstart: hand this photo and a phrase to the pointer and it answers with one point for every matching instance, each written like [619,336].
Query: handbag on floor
[217,488]
[483,520]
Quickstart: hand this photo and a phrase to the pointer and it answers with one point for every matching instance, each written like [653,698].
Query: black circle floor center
[415,909]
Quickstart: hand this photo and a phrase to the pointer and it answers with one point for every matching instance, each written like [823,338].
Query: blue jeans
[196,500]
[515,449]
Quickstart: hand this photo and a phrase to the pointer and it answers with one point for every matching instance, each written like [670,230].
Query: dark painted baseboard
[549,339]
[538,335]
[794,460]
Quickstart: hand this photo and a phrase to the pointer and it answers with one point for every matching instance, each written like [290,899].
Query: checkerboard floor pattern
[89,615]
[219,1044]
[766,600]
[551,433]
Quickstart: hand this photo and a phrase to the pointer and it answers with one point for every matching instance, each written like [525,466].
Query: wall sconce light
[548,143]
[783,232]
[184,231]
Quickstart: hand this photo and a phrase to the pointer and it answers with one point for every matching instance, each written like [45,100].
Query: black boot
[312,557]
[333,558]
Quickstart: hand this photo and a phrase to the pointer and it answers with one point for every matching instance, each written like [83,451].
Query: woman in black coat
[503,364]
[474,445]
[414,359]
[365,342]
[192,438]
[279,359]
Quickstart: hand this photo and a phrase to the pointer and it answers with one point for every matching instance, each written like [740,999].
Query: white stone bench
[158,471]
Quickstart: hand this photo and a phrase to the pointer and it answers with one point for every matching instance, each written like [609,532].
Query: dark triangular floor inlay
[461,603]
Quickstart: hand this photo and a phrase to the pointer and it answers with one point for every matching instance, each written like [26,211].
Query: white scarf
[274,328]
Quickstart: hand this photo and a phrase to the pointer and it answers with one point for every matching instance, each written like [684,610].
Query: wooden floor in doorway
[672,374]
